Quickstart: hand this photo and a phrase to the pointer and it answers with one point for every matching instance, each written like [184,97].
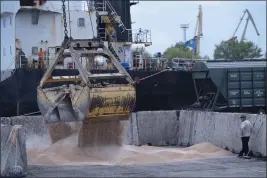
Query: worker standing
[41,58]
[246,130]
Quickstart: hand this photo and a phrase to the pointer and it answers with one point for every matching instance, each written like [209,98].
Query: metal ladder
[113,15]
[130,35]
[111,48]
[100,5]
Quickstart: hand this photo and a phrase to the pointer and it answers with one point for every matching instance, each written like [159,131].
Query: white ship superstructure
[28,26]
[9,10]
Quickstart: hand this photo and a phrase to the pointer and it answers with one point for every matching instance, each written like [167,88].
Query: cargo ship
[31,25]
[232,86]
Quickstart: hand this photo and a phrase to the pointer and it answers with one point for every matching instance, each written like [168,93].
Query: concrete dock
[159,128]
[219,167]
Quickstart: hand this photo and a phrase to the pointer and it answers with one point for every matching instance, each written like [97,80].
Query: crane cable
[92,25]
[64,19]
[89,12]
[69,16]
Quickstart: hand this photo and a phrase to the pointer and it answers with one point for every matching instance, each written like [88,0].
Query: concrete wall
[36,132]
[187,128]
[221,129]
[160,128]
[13,151]
[156,128]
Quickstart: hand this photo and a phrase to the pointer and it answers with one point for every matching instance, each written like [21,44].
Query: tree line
[227,50]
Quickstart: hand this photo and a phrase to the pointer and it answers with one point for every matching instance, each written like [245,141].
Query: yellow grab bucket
[112,102]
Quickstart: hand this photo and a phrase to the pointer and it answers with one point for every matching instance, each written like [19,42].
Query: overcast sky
[220,20]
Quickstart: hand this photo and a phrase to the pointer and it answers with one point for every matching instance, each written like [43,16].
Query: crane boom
[245,29]
[239,23]
[254,25]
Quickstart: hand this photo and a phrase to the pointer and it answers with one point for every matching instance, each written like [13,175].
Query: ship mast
[199,33]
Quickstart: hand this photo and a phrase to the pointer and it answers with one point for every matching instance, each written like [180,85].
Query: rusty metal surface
[112,101]
[75,102]
[84,43]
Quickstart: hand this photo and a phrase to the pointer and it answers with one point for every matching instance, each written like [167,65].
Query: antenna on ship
[184,27]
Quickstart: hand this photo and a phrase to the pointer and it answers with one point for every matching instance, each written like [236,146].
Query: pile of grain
[66,151]
[101,143]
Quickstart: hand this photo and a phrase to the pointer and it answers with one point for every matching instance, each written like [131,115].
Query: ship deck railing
[140,36]
[80,6]
[161,64]
[73,6]
[32,62]
[148,64]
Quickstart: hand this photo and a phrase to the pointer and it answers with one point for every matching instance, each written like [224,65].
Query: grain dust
[100,143]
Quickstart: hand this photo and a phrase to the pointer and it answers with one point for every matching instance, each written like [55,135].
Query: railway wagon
[232,86]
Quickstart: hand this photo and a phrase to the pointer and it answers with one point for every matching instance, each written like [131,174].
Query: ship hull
[166,91]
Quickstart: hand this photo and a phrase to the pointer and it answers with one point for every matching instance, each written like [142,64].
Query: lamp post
[184,27]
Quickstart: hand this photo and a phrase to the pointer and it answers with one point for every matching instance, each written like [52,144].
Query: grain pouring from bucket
[95,107]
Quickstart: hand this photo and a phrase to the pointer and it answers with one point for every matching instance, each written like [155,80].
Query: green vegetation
[228,50]
[179,50]
[234,50]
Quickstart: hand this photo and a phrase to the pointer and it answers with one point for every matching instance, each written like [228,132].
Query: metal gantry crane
[245,29]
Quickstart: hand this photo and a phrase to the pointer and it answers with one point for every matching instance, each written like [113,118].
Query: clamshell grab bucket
[75,102]
[64,104]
